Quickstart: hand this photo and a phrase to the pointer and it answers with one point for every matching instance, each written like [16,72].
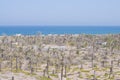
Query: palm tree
[62,66]
[11,55]
[1,57]
[46,56]
[111,69]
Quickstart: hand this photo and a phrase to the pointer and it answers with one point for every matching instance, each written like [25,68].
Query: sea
[32,30]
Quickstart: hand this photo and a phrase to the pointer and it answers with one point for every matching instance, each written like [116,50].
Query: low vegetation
[60,57]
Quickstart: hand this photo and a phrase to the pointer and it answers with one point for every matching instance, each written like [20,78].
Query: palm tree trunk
[94,77]
[0,66]
[31,69]
[47,68]
[118,62]
[20,65]
[36,67]
[81,66]
[44,72]
[62,69]
[16,63]
[65,70]
[56,68]
[11,64]
[62,72]
[12,77]
[92,61]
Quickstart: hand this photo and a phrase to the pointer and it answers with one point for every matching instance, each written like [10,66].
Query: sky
[60,12]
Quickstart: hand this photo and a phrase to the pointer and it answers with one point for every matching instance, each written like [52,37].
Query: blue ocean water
[30,30]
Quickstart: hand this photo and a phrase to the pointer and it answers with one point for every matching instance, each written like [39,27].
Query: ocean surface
[31,30]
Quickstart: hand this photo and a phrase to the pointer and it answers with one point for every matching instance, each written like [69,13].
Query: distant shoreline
[32,30]
[4,34]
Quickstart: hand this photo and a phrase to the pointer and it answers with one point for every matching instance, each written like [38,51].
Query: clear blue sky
[60,12]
